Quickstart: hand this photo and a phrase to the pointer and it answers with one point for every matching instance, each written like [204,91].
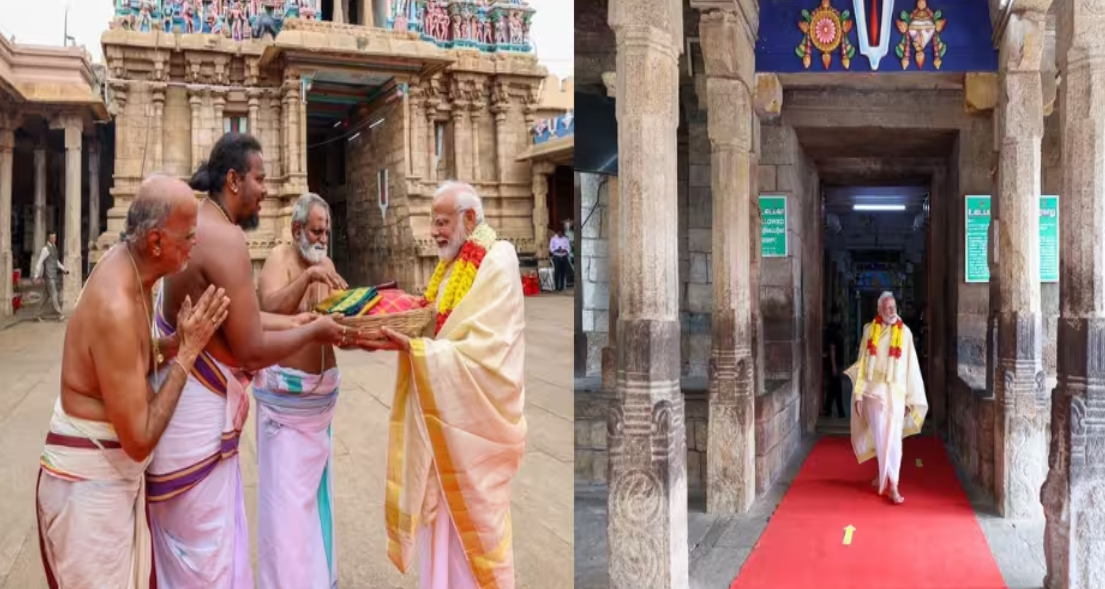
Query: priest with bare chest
[296,401]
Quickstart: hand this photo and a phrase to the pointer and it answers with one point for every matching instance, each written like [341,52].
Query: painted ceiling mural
[875,35]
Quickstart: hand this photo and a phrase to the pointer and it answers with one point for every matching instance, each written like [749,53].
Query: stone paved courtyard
[30,361]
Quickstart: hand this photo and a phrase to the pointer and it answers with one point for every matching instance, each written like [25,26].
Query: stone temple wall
[594,190]
[384,242]
[788,332]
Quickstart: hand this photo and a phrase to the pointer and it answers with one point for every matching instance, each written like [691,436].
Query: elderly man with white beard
[889,395]
[296,400]
[458,432]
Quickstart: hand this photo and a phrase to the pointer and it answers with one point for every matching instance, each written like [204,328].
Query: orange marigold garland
[466,265]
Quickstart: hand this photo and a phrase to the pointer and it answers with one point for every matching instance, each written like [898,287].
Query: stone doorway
[354,121]
[875,240]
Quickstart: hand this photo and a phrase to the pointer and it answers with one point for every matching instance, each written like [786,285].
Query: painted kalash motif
[480,24]
[918,29]
[236,19]
[826,29]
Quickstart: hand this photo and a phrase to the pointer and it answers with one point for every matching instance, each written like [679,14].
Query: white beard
[312,253]
[889,319]
[450,251]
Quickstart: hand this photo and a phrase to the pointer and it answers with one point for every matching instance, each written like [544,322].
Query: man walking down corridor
[49,262]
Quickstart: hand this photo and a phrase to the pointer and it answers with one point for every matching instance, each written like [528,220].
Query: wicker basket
[409,323]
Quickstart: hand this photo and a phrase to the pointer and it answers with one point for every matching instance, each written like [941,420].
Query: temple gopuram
[369,103]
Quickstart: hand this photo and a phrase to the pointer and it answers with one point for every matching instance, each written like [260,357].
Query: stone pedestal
[1074,492]
[647,473]
[730,472]
[1019,381]
[40,201]
[7,145]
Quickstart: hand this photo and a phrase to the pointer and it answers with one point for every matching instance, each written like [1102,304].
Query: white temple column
[541,171]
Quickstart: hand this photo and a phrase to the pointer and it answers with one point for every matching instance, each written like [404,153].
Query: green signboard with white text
[977,226]
[773,226]
[1049,239]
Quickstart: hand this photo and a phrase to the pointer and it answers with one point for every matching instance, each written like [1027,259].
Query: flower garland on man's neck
[895,345]
[466,264]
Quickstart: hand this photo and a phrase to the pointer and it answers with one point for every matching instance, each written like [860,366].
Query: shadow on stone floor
[719,546]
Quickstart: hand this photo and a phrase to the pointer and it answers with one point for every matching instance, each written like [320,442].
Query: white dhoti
[884,417]
[197,505]
[295,513]
[91,508]
[441,560]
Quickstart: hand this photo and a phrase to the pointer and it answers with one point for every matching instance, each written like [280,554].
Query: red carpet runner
[931,541]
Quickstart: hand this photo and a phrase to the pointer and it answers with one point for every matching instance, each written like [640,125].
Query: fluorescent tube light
[878,207]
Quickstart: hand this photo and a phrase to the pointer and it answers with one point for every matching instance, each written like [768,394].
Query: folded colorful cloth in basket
[350,303]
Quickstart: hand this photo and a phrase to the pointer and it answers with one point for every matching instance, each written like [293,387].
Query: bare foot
[896,497]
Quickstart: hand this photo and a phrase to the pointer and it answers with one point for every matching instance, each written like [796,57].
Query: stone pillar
[462,132]
[7,145]
[275,149]
[71,282]
[500,106]
[1020,382]
[419,152]
[610,352]
[218,104]
[254,102]
[195,102]
[157,95]
[730,68]
[339,11]
[293,108]
[541,171]
[476,114]
[432,159]
[94,190]
[40,200]
[647,472]
[1073,496]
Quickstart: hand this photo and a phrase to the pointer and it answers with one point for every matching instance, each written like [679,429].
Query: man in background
[559,246]
[50,263]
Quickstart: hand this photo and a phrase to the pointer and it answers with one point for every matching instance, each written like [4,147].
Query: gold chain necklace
[155,350]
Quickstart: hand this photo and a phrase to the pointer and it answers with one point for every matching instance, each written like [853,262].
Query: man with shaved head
[458,431]
[112,411]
